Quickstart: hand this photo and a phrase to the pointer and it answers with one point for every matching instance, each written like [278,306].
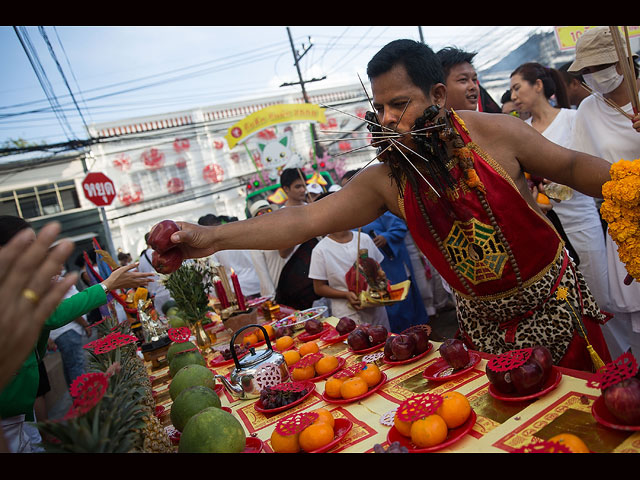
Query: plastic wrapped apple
[160,235]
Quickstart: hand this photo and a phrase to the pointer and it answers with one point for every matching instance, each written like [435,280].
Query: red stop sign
[99,189]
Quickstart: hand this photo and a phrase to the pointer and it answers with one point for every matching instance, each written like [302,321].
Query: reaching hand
[124,277]
[193,240]
[28,294]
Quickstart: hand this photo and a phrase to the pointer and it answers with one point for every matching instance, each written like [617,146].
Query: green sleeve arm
[75,306]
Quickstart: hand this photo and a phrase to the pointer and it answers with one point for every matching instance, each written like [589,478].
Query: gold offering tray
[398,293]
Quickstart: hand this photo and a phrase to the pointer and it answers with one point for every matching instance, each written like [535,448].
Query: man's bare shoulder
[490,126]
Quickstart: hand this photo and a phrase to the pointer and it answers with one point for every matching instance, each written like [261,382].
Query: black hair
[349,174]
[421,63]
[209,219]
[506,97]
[290,175]
[10,226]
[323,195]
[123,256]
[551,81]
[567,75]
[451,56]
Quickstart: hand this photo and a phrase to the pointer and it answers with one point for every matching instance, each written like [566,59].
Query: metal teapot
[256,371]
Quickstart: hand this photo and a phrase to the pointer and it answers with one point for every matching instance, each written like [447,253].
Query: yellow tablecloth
[500,427]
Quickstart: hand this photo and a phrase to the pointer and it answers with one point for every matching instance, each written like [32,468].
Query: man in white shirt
[603,131]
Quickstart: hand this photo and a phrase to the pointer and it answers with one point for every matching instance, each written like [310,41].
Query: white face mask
[604,81]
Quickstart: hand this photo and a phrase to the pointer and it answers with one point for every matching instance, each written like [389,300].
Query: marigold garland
[621,210]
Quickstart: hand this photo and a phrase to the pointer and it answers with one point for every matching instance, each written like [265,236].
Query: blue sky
[125,72]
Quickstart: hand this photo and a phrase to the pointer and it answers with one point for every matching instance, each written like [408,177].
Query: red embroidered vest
[493,246]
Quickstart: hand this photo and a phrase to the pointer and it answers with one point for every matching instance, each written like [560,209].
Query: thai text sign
[568,36]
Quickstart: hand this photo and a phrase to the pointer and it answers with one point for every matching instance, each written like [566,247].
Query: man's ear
[439,94]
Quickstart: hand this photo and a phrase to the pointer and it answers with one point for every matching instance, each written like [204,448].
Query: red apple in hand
[160,235]
[167,262]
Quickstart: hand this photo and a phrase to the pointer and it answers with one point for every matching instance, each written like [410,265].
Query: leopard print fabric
[488,326]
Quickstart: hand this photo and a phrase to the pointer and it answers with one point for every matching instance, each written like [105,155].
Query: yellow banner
[287,113]
[568,36]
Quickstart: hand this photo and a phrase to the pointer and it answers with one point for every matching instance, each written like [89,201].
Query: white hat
[257,206]
[314,188]
[334,188]
[595,47]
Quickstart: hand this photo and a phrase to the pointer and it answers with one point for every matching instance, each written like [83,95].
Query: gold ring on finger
[31,295]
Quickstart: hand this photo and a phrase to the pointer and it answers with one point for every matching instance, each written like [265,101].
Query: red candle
[222,295]
[236,287]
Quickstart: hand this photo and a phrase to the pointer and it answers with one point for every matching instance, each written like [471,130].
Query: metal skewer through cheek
[394,142]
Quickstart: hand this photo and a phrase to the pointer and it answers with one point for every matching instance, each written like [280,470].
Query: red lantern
[153,159]
[122,162]
[181,144]
[129,194]
[175,185]
[213,173]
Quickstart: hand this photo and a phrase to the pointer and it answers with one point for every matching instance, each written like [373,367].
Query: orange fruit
[403,426]
[291,357]
[429,431]
[572,442]
[315,436]
[270,332]
[250,338]
[325,416]
[308,347]
[284,342]
[353,387]
[455,409]
[303,373]
[542,198]
[326,364]
[370,374]
[332,387]
[285,443]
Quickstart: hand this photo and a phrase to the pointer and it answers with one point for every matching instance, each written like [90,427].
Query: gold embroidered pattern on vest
[475,251]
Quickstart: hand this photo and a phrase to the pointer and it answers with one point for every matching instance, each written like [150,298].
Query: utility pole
[420,32]
[319,151]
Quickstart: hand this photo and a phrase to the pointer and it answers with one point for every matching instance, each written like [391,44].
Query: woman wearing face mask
[602,130]
[532,86]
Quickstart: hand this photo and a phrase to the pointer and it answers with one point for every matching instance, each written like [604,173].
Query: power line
[43,80]
[64,78]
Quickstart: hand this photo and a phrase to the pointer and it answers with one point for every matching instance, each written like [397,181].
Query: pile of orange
[324,365]
[433,429]
[351,387]
[313,437]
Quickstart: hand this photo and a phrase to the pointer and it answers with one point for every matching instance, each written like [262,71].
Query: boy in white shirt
[331,259]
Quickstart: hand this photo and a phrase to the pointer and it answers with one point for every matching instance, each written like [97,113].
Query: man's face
[462,87]
[398,102]
[297,191]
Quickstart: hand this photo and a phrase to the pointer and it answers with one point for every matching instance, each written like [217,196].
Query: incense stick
[604,99]
[629,77]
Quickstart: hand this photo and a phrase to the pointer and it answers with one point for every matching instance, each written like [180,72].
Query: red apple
[455,353]
[543,357]
[160,235]
[501,381]
[402,347]
[623,401]
[528,378]
[377,334]
[345,325]
[313,326]
[387,348]
[421,338]
[358,339]
[167,262]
